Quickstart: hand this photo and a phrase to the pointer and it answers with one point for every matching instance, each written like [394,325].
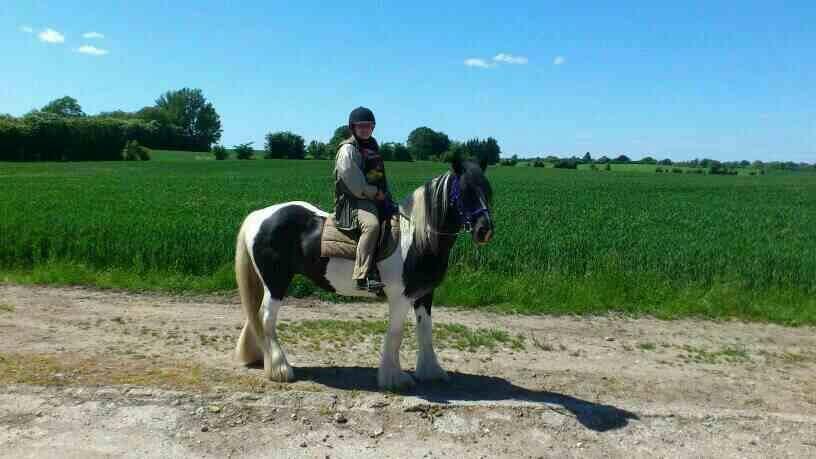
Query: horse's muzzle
[482,235]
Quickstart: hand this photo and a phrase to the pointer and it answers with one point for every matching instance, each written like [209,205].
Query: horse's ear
[483,164]
[456,164]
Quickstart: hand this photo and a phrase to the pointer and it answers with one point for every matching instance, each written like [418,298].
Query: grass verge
[631,294]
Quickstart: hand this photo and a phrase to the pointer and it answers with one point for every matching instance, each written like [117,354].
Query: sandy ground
[90,373]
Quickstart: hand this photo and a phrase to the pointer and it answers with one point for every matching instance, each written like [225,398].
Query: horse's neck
[445,240]
[423,269]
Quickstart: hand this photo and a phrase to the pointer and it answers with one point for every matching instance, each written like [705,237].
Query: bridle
[466,216]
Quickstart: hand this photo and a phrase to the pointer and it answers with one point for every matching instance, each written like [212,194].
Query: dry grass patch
[68,370]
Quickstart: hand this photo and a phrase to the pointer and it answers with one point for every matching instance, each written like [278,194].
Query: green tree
[387,151]
[244,150]
[64,106]
[491,151]
[284,145]
[424,143]
[190,111]
[118,114]
[340,134]
[483,150]
[316,149]
[401,153]
[587,158]
[455,150]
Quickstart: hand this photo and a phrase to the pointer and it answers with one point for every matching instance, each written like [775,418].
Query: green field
[566,241]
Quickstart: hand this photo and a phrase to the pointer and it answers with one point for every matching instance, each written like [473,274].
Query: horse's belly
[338,274]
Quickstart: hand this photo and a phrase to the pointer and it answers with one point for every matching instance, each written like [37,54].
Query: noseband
[466,216]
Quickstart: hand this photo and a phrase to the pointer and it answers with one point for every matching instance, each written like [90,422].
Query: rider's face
[363,130]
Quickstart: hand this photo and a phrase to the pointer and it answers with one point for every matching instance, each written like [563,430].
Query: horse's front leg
[390,375]
[427,368]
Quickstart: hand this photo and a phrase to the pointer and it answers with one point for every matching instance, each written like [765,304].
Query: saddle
[337,243]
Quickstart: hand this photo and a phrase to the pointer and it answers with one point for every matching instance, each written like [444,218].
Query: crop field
[566,241]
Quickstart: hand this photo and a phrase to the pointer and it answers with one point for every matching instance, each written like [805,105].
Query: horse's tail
[248,349]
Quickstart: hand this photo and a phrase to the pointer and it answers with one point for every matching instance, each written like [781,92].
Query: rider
[361,194]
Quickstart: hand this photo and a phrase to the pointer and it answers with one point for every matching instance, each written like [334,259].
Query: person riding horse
[362,198]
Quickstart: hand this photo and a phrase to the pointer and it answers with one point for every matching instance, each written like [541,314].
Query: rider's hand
[380,196]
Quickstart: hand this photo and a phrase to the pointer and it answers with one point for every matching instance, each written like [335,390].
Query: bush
[677,170]
[220,152]
[608,167]
[659,170]
[566,164]
[244,151]
[284,145]
[135,152]
[539,163]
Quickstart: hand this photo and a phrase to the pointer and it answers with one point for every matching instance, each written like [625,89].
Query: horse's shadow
[470,387]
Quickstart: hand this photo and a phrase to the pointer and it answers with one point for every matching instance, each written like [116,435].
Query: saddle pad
[336,243]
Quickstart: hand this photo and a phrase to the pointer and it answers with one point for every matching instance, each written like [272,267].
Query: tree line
[61,131]
[184,120]
[423,144]
[714,166]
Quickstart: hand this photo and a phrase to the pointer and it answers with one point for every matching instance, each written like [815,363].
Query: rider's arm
[351,174]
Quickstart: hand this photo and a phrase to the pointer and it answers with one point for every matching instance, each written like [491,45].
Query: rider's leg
[367,245]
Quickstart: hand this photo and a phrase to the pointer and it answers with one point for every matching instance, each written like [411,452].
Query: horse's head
[471,196]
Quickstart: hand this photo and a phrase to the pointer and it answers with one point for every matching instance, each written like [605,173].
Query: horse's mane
[428,209]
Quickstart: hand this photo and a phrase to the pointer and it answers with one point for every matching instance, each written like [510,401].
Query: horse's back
[285,238]
[276,215]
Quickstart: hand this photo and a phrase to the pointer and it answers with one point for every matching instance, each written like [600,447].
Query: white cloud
[510,59]
[93,35]
[559,60]
[26,29]
[51,36]
[92,50]
[481,63]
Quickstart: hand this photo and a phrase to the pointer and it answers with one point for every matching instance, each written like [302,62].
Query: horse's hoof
[282,372]
[431,373]
[395,380]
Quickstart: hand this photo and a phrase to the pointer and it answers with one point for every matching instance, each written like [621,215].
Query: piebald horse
[282,240]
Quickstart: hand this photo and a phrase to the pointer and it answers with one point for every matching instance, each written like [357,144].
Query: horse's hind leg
[249,348]
[276,368]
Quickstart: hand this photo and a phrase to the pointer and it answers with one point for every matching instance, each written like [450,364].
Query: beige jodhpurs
[367,245]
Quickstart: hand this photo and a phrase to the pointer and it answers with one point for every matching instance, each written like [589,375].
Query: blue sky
[726,80]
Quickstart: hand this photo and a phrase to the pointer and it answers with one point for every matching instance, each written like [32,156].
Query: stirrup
[370,285]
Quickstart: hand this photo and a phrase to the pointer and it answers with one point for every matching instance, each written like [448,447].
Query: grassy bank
[566,241]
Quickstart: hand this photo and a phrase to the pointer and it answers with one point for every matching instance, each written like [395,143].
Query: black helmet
[361,115]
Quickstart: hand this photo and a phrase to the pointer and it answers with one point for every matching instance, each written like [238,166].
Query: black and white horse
[282,240]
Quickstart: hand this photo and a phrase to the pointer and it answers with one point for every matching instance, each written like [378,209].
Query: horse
[282,240]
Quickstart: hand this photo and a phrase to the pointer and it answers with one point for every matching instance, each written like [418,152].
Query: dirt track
[90,373]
